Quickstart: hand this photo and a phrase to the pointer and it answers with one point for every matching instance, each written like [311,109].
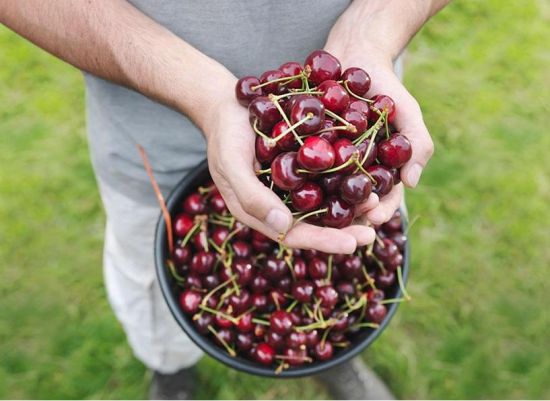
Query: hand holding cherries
[323,146]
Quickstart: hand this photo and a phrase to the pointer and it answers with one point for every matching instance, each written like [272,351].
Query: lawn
[478,326]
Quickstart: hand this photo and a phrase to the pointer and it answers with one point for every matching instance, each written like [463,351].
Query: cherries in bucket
[324,146]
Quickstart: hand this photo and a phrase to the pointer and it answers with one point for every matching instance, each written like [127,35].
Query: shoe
[355,381]
[174,386]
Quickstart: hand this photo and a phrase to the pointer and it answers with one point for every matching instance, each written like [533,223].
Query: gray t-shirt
[248,37]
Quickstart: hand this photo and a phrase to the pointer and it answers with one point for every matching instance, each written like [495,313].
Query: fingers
[388,204]
[364,207]
[363,234]
[325,239]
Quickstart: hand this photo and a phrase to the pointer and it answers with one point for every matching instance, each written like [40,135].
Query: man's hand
[232,165]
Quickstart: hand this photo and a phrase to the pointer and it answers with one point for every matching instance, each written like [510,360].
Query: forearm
[385,26]
[115,41]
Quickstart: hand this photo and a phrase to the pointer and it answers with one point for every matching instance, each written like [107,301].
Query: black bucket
[170,291]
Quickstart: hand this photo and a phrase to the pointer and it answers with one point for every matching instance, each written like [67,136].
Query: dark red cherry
[355,188]
[259,284]
[193,280]
[302,291]
[264,354]
[262,110]
[383,178]
[295,357]
[260,302]
[312,338]
[284,284]
[327,295]
[393,224]
[334,97]
[265,150]
[345,289]
[200,241]
[323,66]
[332,135]
[323,351]
[286,142]
[241,301]
[357,80]
[307,198]
[382,103]
[357,119]
[375,296]
[217,204]
[244,92]
[259,330]
[243,231]
[394,151]
[202,262]
[344,150]
[274,268]
[384,279]
[310,107]
[244,341]
[316,154]
[244,270]
[211,281]
[275,340]
[399,239]
[290,69]
[242,249]
[219,234]
[296,339]
[260,242]
[226,334]
[202,322]
[330,183]
[278,297]
[394,262]
[221,321]
[317,268]
[183,224]
[274,87]
[360,106]
[280,322]
[194,204]
[340,213]
[337,337]
[300,268]
[396,174]
[283,172]
[182,255]
[376,312]
[385,249]
[190,301]
[352,267]
[363,148]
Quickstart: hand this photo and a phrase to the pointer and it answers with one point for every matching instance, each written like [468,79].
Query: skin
[369,34]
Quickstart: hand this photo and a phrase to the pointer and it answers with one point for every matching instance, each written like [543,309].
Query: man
[162,72]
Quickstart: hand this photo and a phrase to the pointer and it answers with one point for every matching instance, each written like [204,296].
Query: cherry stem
[216,289]
[358,304]
[283,79]
[402,284]
[336,128]
[301,92]
[360,167]
[175,274]
[324,337]
[273,98]
[230,350]
[366,324]
[189,234]
[218,313]
[368,278]
[355,95]
[261,321]
[350,127]
[392,301]
[257,131]
[371,131]
[231,234]
[309,116]
[286,358]
[329,273]
[264,171]
[343,344]
[288,261]
[342,166]
[219,222]
[313,213]
[292,305]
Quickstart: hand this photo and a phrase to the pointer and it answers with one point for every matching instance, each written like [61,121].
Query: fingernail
[413,175]
[278,220]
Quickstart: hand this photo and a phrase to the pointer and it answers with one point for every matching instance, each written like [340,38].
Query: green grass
[478,326]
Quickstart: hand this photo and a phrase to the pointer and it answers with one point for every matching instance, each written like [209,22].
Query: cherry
[393,224]
[200,241]
[309,254]
[371,158]
[375,296]
[323,66]
[357,80]
[345,288]
[274,268]
[394,262]
[273,87]
[386,250]
[302,291]
[202,262]
[317,268]
[300,268]
[281,322]
[394,151]
[357,119]
[244,341]
[241,249]
[284,284]
[264,354]
[259,330]
[243,231]
[296,339]
[332,135]
[221,321]
[382,103]
[307,198]
[331,182]
[376,312]
[210,281]
[217,204]
[334,97]
[396,174]
[262,110]
[260,242]
[385,279]
[323,351]
[190,301]
[265,150]
[259,284]
[290,69]
[194,204]
[344,150]
[244,92]
[213,301]
[244,270]
[360,106]
[275,340]
[278,297]
[225,334]
[219,234]
[193,280]
[337,337]
[327,295]
[283,172]
[340,214]
[352,267]
[260,302]
[241,301]
[307,106]
[383,178]
[287,141]
[245,324]
[399,239]
[355,188]
[202,321]
[182,255]
[183,224]
[316,154]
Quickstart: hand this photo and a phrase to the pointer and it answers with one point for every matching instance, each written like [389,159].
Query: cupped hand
[232,164]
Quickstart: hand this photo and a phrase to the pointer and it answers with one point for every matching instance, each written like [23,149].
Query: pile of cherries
[323,146]
[273,305]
